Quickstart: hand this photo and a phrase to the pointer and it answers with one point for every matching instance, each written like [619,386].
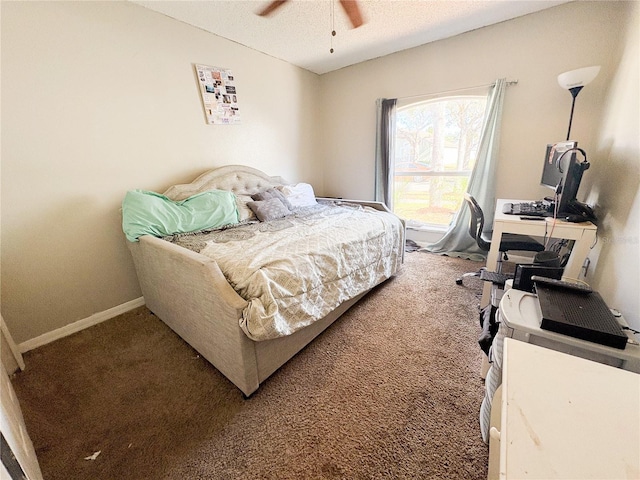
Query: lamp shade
[578,78]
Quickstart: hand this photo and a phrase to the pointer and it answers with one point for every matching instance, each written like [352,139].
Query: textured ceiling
[300,31]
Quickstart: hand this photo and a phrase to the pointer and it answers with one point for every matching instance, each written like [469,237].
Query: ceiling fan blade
[353,12]
[269,9]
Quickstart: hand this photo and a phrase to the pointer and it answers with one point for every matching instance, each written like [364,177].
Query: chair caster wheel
[458,281]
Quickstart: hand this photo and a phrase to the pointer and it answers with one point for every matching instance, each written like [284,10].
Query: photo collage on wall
[219,96]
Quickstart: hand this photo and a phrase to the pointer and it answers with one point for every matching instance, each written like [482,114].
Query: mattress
[295,270]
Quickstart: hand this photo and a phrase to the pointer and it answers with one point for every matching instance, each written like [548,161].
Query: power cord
[555,216]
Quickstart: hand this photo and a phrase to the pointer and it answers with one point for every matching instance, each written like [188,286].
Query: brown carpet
[391,390]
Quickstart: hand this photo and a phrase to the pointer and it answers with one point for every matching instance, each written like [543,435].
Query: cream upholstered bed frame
[189,292]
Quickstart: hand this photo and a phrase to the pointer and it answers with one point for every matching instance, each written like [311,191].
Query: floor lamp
[574,81]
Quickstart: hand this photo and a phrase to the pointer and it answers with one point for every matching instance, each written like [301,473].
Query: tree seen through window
[436,146]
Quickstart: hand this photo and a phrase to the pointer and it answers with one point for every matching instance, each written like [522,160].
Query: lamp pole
[574,93]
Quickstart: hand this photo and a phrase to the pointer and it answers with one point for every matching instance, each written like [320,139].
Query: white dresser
[520,312]
[558,416]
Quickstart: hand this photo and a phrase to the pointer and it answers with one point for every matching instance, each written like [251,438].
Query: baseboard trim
[79,325]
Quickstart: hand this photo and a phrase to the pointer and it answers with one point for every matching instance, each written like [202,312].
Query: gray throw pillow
[269,209]
[272,193]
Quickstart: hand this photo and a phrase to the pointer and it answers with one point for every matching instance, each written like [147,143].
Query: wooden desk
[562,416]
[584,235]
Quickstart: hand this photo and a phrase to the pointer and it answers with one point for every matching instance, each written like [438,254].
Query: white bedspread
[296,270]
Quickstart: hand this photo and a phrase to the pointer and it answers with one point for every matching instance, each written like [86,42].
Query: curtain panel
[457,242]
[385,143]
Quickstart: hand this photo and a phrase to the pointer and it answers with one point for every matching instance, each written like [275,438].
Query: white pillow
[299,195]
[244,212]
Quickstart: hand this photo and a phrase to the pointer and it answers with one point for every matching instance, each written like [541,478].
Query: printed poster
[219,96]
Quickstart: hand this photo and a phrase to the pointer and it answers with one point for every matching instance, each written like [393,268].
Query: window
[436,145]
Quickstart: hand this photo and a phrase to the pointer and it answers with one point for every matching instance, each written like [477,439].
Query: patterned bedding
[295,270]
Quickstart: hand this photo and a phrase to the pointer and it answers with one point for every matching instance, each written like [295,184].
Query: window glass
[436,146]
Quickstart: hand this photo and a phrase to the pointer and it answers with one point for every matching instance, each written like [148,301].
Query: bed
[200,288]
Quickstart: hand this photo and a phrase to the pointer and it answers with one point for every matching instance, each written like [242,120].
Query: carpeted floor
[391,390]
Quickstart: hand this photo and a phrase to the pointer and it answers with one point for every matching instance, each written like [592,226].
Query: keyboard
[530,209]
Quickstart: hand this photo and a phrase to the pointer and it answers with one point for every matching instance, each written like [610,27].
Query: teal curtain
[385,141]
[457,242]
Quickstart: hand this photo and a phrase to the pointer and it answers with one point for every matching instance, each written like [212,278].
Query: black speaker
[523,274]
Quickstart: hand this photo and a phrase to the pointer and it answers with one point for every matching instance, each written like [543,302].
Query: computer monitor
[568,203]
[563,173]
[552,171]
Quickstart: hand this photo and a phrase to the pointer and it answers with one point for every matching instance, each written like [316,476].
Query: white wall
[614,181]
[99,98]
[532,49]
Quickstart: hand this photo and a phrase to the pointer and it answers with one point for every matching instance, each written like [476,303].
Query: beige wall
[614,181]
[99,98]
[533,50]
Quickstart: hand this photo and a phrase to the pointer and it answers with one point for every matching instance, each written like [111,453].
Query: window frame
[413,102]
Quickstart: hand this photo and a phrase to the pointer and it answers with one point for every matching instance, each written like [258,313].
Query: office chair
[508,242]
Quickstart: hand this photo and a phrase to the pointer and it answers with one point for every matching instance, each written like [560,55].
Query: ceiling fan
[350,7]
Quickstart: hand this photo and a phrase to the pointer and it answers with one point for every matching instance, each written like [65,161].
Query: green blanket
[150,213]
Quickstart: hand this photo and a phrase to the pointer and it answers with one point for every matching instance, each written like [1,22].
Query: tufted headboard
[239,179]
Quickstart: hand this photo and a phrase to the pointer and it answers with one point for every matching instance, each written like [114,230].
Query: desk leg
[486,295]
[578,255]
[492,261]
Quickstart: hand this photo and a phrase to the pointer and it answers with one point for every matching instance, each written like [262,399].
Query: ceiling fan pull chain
[333,30]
